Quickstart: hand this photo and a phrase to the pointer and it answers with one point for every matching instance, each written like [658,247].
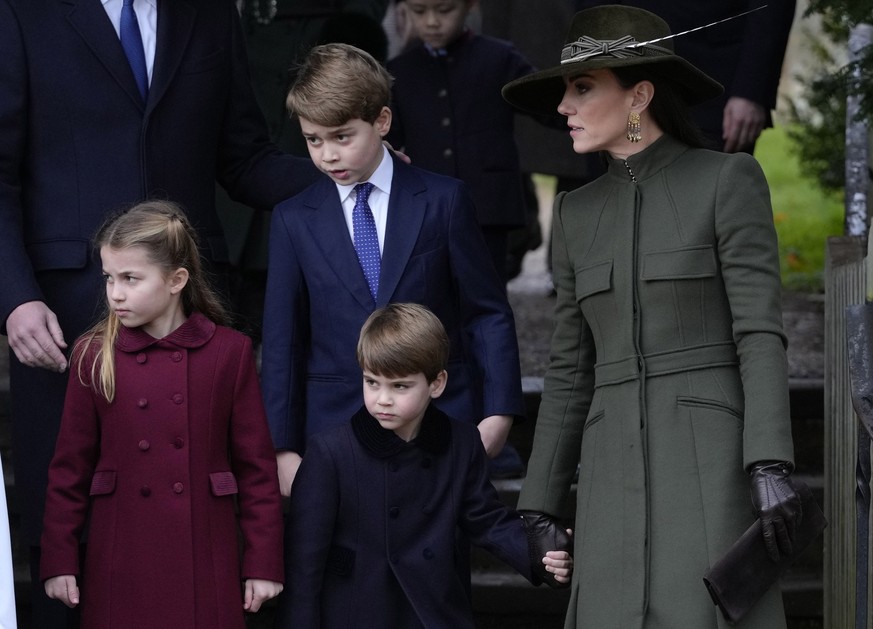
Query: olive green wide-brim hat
[612,36]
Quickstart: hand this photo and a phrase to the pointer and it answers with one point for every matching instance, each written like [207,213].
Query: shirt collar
[381,177]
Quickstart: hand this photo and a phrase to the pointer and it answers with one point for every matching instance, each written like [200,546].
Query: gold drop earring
[634,131]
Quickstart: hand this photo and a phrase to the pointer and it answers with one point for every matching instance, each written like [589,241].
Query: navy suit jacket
[317,300]
[77,143]
[373,522]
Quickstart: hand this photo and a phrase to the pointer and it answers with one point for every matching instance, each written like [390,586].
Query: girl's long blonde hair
[163,231]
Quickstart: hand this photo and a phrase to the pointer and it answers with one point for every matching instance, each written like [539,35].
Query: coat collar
[195,332]
[433,437]
[651,160]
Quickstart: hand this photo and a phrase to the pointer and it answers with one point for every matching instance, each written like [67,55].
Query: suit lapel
[406,209]
[329,230]
[175,24]
[89,19]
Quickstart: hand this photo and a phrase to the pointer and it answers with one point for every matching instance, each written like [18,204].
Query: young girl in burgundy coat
[163,435]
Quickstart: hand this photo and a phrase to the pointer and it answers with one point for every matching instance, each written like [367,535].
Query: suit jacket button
[144,445]
[178,488]
[141,358]
[393,512]
[145,492]
[142,402]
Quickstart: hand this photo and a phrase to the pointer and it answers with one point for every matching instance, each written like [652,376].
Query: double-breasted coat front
[667,380]
[161,469]
[373,523]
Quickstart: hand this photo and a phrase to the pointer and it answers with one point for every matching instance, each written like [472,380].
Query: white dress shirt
[378,199]
[147,17]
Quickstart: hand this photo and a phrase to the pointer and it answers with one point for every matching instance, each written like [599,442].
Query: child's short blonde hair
[403,339]
[338,83]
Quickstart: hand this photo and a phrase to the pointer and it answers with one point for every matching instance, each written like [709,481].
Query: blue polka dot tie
[131,42]
[366,238]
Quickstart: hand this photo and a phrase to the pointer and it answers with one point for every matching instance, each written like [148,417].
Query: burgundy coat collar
[433,437]
[195,332]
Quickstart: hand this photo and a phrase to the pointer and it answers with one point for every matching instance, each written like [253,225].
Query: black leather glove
[544,533]
[777,503]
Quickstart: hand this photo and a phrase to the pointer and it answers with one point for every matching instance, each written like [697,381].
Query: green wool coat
[667,379]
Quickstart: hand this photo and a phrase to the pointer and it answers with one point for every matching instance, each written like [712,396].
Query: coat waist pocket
[664,363]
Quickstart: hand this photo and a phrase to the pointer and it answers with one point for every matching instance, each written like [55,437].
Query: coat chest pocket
[593,279]
[103,483]
[688,263]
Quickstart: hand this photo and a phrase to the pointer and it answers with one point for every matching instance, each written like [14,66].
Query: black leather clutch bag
[739,579]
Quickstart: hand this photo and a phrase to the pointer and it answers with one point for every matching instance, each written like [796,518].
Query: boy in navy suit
[338,251]
[379,499]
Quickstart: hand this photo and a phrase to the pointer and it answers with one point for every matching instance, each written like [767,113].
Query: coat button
[145,492]
[426,463]
[142,402]
[178,443]
[141,358]
[446,122]
[393,466]
[427,553]
[178,398]
[178,488]
[144,445]
[447,153]
[443,93]
[176,356]
[393,512]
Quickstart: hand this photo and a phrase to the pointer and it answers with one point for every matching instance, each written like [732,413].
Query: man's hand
[63,588]
[36,337]
[494,431]
[258,591]
[742,123]
[288,463]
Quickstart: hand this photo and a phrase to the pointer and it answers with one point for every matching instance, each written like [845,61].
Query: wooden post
[844,285]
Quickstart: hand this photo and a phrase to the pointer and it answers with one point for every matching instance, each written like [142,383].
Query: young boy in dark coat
[325,279]
[379,500]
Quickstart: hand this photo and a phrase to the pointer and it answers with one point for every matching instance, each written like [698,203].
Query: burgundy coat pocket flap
[103,482]
[223,483]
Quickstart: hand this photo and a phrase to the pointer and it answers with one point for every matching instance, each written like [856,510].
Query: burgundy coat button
[141,358]
[145,492]
[178,443]
[142,402]
[178,488]
[176,357]
[178,398]
[144,445]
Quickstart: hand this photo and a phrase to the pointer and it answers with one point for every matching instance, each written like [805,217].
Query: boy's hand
[258,591]
[63,588]
[559,563]
[494,430]
[288,463]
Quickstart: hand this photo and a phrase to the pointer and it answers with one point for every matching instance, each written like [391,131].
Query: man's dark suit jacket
[77,143]
[317,301]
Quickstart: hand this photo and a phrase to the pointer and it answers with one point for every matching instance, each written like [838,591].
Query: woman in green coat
[667,381]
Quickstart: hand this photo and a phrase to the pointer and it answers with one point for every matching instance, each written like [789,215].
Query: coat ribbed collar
[433,436]
[651,160]
[194,332]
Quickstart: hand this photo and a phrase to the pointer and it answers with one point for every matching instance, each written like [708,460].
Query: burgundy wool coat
[161,469]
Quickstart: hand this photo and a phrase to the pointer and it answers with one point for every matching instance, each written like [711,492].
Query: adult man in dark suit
[77,142]
[745,55]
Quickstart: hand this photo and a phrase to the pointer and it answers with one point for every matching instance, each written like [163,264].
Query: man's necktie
[366,238]
[131,42]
